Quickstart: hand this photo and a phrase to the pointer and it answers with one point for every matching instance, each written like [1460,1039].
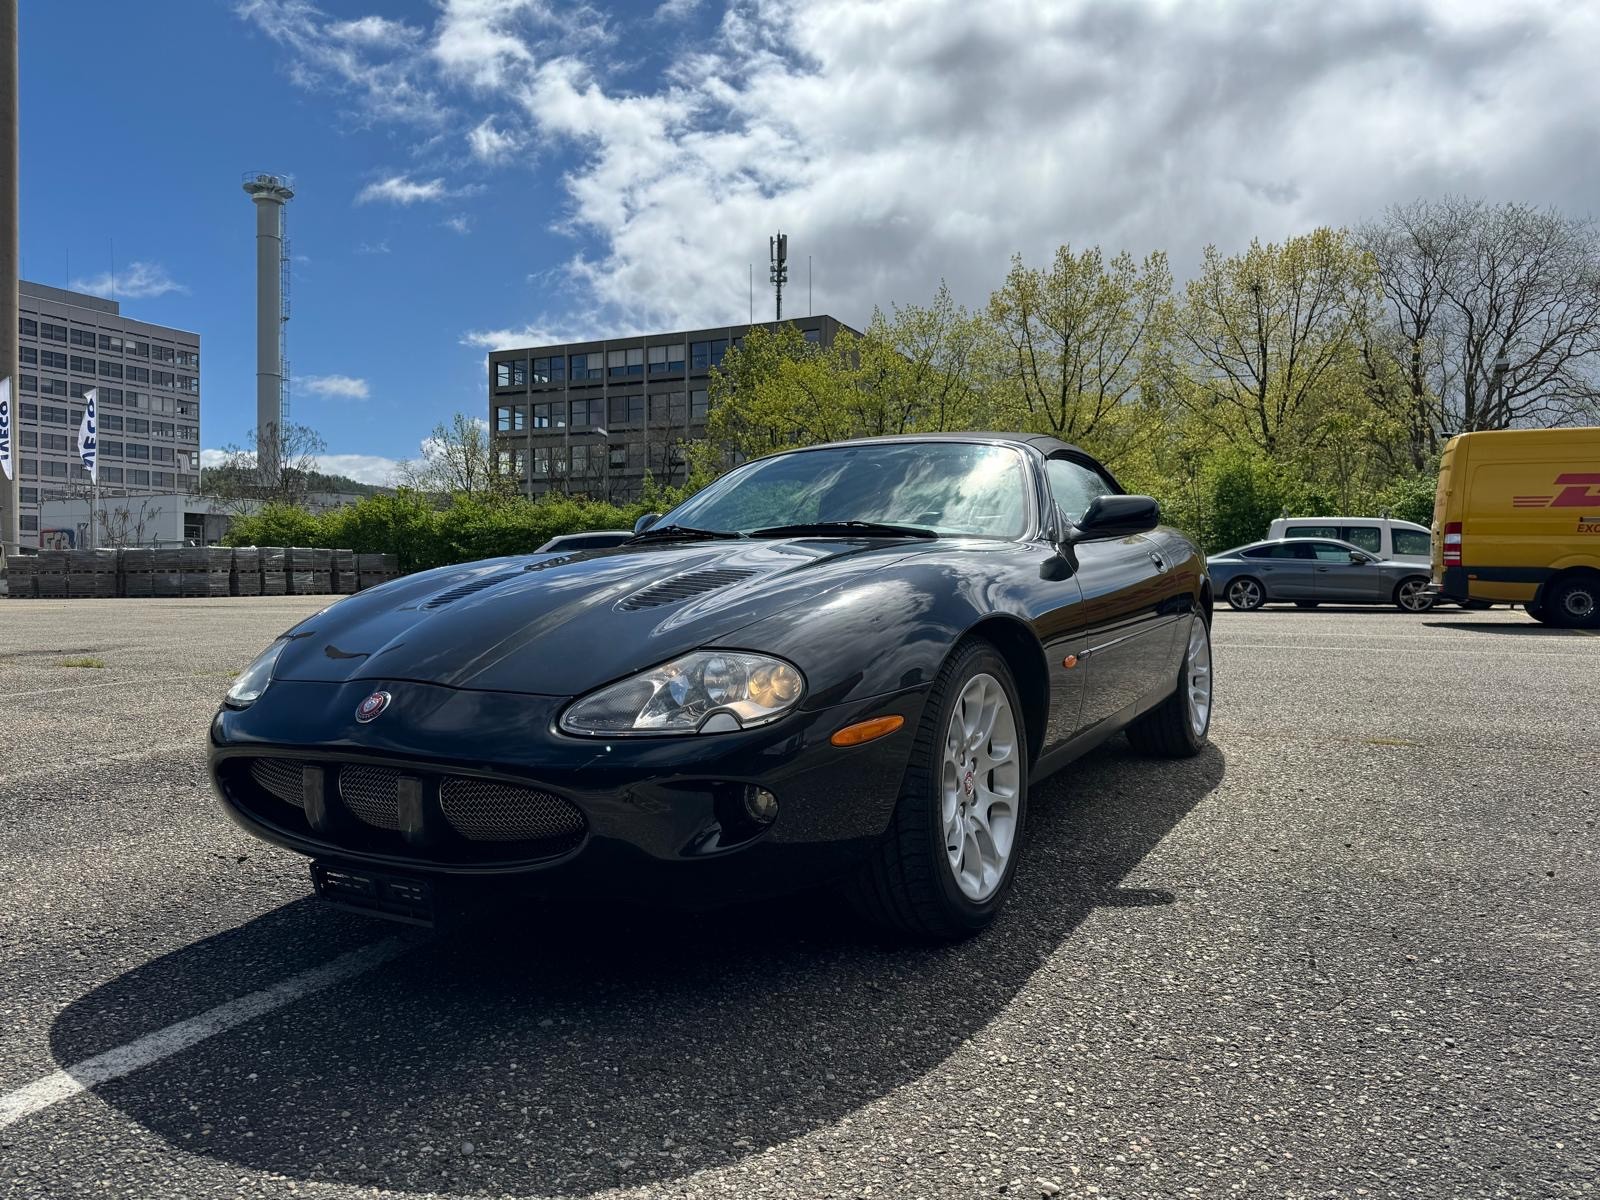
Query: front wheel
[1246,594]
[1412,595]
[1177,727]
[1573,603]
[946,862]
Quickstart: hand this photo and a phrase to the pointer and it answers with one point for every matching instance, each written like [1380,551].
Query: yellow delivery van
[1517,519]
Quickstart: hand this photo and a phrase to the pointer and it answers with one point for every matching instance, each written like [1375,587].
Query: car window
[1330,552]
[1258,552]
[1075,486]
[1292,550]
[953,488]
[1311,531]
[1367,537]
[1412,541]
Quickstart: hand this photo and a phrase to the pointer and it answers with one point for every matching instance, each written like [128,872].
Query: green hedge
[423,535]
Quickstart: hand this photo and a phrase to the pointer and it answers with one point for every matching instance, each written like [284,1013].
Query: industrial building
[594,417]
[148,385]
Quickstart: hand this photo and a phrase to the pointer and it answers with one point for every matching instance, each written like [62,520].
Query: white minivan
[1399,541]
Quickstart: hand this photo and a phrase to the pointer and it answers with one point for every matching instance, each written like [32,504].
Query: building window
[163,479]
[513,463]
[76,390]
[627,410]
[138,478]
[109,341]
[164,354]
[30,383]
[83,366]
[138,375]
[29,495]
[163,404]
[185,383]
[28,524]
[541,462]
[665,360]
[512,372]
[587,413]
[111,421]
[135,399]
[510,418]
[138,425]
[30,412]
[108,449]
[163,454]
[82,337]
[550,416]
[53,387]
[27,327]
[163,378]
[137,450]
[52,359]
[163,429]
[580,460]
[53,441]
[588,366]
[189,358]
[699,406]
[550,370]
[30,467]
[28,356]
[137,349]
[53,333]
[29,439]
[186,408]
[111,474]
[51,415]
[110,370]
[668,408]
[111,395]
[619,456]
[53,470]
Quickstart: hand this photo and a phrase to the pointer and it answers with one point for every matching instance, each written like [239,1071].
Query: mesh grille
[482,811]
[370,793]
[681,587]
[280,777]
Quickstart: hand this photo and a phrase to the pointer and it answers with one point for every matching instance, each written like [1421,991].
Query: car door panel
[1129,625]
[1340,579]
[1286,577]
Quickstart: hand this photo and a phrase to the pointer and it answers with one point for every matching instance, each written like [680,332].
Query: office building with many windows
[595,417]
[148,385]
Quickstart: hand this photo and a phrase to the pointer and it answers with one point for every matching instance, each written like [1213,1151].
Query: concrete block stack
[50,574]
[373,569]
[344,572]
[321,571]
[297,566]
[166,572]
[20,570]
[206,570]
[138,568]
[274,582]
[91,573]
[245,579]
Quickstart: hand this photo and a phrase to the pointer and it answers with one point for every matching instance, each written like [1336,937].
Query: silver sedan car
[1313,571]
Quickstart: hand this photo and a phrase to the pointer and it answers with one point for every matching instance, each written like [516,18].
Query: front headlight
[709,691]
[253,680]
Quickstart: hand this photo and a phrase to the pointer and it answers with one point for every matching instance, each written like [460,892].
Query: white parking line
[153,1047]
[85,687]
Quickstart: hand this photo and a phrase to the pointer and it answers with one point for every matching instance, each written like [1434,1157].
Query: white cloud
[136,281]
[402,189]
[492,145]
[906,141]
[373,248]
[676,10]
[374,31]
[343,387]
[460,223]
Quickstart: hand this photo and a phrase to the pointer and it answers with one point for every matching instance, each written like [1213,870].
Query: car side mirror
[645,522]
[1358,557]
[1118,516]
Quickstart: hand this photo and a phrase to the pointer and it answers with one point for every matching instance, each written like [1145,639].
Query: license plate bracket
[377,893]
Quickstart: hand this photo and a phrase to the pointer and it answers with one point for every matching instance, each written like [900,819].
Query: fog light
[761,805]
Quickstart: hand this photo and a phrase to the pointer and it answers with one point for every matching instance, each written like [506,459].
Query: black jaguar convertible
[839,665]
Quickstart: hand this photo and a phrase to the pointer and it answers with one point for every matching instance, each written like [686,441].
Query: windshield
[953,488]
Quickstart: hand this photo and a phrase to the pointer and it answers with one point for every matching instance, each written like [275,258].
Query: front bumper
[635,816]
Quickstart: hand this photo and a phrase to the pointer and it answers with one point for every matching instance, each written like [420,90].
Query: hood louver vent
[467,588]
[681,587]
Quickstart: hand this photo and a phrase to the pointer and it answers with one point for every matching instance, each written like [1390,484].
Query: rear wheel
[1535,610]
[1412,595]
[946,862]
[1574,602]
[1246,594]
[1177,727]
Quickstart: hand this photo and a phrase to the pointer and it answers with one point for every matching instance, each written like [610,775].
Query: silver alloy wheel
[1578,604]
[1197,678]
[1414,596]
[1244,593]
[979,787]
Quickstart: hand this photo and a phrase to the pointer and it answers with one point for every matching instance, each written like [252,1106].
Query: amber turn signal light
[866,731]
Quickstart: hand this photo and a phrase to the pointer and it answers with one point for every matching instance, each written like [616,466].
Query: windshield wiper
[682,533]
[845,529]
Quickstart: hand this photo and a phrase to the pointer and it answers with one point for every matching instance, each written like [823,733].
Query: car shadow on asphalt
[574,1050]
[1531,629]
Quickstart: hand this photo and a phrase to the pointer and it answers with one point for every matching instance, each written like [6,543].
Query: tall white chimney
[270,192]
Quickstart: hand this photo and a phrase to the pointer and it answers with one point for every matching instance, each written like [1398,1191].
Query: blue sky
[482,172]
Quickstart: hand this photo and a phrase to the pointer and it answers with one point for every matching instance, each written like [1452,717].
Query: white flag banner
[88,442]
[5,428]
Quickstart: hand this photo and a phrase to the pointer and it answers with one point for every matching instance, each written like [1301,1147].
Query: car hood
[563,624]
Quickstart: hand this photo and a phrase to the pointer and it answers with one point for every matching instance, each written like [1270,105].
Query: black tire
[1245,599]
[1476,605]
[1410,585]
[1307,603]
[905,887]
[1573,602]
[1535,610]
[1167,731]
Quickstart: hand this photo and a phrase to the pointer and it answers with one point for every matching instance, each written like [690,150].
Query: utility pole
[10,495]
[778,249]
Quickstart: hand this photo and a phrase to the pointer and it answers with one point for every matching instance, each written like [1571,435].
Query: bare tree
[457,459]
[236,486]
[1492,317]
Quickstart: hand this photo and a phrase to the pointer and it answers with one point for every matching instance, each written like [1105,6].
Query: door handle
[1159,562]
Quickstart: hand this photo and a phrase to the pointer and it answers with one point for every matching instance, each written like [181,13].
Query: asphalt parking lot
[1354,949]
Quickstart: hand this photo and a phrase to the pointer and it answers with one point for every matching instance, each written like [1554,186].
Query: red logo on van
[1578,490]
